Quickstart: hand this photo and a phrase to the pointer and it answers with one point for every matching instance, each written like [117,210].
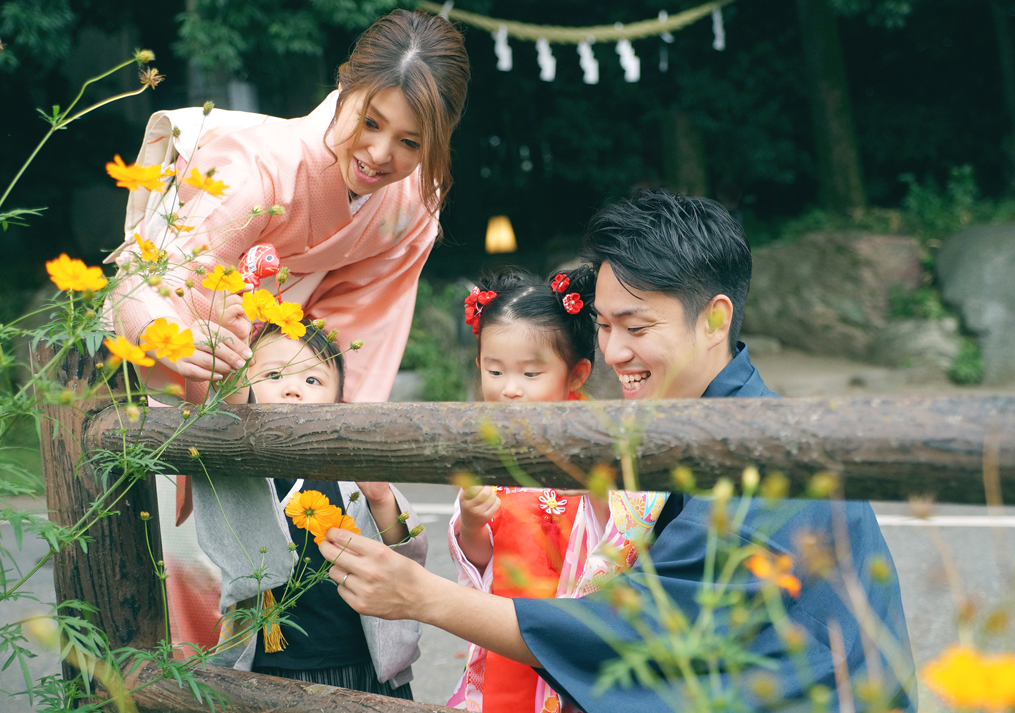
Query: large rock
[829,293]
[976,269]
[928,345]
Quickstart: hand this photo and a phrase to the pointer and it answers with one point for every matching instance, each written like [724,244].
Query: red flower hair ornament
[560,283]
[573,303]
[474,305]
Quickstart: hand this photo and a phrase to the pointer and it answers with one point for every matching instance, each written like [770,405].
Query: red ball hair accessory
[474,305]
[573,303]
[560,283]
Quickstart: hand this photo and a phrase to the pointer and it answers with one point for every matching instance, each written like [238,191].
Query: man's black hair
[318,342]
[687,248]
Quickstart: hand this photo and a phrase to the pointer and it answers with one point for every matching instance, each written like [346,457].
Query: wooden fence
[882,449]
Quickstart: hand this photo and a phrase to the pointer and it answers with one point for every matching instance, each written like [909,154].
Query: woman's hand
[206,364]
[380,582]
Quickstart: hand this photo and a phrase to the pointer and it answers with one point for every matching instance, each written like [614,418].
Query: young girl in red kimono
[536,343]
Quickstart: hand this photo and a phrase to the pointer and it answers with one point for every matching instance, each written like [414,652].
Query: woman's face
[388,148]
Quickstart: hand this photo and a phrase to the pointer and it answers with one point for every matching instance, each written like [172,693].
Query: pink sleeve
[468,574]
[224,225]
[372,300]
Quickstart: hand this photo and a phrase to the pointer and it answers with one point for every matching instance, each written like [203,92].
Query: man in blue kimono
[673,275]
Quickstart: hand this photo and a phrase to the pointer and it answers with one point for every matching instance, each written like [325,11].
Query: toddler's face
[286,371]
[517,363]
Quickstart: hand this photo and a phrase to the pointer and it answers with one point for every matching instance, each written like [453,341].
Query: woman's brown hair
[424,56]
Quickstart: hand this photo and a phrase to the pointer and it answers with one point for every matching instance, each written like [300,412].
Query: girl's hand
[376,493]
[478,505]
[384,510]
[229,314]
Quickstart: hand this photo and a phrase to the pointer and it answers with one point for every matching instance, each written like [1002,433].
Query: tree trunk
[1006,56]
[839,171]
[684,159]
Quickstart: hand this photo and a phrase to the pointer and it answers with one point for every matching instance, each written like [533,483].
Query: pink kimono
[359,272]
[592,555]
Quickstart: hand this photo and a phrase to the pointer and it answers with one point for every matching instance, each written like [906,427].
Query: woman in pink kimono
[349,196]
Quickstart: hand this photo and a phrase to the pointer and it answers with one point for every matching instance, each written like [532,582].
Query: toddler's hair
[318,343]
[525,298]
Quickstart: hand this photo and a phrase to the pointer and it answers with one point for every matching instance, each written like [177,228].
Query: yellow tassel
[273,639]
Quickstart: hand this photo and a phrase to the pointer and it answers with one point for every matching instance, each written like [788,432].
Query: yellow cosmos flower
[149,253]
[778,572]
[222,281]
[122,350]
[310,510]
[68,274]
[257,305]
[964,678]
[289,317]
[166,340]
[206,184]
[133,176]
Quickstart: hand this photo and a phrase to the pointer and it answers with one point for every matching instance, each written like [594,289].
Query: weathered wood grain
[886,448]
[116,573]
[250,692]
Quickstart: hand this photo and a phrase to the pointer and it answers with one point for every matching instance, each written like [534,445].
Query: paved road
[926,594]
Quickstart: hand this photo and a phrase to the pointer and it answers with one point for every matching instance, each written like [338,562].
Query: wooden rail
[885,448]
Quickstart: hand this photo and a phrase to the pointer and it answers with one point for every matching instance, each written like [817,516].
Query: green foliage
[887,13]
[228,33]
[39,30]
[968,365]
[922,303]
[433,349]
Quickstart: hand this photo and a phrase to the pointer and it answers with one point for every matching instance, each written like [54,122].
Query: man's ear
[718,316]
[580,374]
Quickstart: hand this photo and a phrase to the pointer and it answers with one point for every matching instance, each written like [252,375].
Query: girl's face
[388,148]
[285,371]
[518,363]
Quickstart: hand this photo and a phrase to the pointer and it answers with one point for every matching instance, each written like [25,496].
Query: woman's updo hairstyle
[521,297]
[424,56]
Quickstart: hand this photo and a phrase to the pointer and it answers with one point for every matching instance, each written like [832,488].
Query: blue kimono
[572,654]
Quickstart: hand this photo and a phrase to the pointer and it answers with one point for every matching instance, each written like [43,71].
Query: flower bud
[66,397]
[416,531]
[764,686]
[292,546]
[256,210]
[723,489]
[625,599]
[186,414]
[881,573]
[823,485]
[145,516]
[154,280]
[332,336]
[89,314]
[208,106]
[821,696]
[263,550]
[283,275]
[199,269]
[775,486]
[176,132]
[750,478]
[318,324]
[354,497]
[88,295]
[144,56]
[683,478]
[488,432]
[307,560]
[356,344]
[189,284]
[160,563]
[403,517]
[164,291]
[194,453]
[175,390]
[179,292]
[602,479]
[133,413]
[794,639]
[99,365]
[276,210]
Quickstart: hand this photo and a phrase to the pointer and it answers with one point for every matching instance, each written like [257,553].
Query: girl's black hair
[319,344]
[522,297]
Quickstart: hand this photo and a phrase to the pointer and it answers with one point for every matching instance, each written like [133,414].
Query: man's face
[646,339]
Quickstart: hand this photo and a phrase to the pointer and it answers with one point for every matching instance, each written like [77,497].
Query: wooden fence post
[116,574]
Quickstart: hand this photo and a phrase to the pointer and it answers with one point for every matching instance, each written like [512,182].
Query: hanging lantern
[500,236]
[587,61]
[502,49]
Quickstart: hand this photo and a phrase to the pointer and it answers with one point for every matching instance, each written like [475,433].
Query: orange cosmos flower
[122,350]
[310,510]
[258,304]
[166,340]
[222,281]
[149,253]
[68,274]
[966,679]
[319,528]
[133,176]
[206,184]
[289,318]
[777,573]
